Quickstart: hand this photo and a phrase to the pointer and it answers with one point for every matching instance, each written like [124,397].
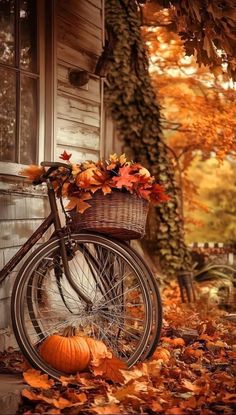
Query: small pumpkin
[68,353]
[98,350]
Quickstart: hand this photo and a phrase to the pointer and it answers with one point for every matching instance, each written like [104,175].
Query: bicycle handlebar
[53,165]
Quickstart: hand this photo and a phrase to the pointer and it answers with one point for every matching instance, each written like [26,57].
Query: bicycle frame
[53,218]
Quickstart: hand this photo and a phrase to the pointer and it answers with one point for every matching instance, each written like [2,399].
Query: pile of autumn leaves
[192,372]
[106,176]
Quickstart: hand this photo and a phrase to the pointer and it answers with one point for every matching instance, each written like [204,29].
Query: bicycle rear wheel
[121,315]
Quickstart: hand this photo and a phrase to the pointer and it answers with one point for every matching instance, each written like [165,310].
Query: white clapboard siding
[90,91]
[85,61]
[78,155]
[85,112]
[91,13]
[77,135]
[78,36]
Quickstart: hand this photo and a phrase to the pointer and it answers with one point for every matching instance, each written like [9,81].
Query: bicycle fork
[60,234]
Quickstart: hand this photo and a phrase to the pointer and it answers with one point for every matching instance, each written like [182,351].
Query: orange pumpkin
[68,353]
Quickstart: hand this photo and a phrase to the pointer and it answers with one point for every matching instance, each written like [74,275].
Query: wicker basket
[121,215]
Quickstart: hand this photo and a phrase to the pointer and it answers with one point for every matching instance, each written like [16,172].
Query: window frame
[13,168]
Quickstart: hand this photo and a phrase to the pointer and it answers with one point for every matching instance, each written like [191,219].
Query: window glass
[28,35]
[7,31]
[7,115]
[18,81]
[28,133]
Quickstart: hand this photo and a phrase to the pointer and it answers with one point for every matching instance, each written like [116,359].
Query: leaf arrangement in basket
[115,174]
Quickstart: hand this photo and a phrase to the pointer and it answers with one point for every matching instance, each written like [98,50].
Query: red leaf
[125,178]
[65,156]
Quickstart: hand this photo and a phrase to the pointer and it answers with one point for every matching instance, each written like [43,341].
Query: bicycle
[95,283]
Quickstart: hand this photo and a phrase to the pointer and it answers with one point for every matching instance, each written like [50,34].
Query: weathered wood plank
[83,8]
[84,60]
[90,91]
[77,37]
[78,154]
[77,135]
[97,3]
[78,21]
[14,206]
[16,232]
[78,110]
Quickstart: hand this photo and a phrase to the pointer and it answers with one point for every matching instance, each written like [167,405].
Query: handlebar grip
[55,164]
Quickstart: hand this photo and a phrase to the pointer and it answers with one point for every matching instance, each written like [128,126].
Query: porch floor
[10,393]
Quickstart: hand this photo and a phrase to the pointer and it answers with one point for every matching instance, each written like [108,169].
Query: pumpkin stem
[69,331]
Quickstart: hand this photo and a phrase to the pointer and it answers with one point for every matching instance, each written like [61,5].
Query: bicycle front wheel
[120,312]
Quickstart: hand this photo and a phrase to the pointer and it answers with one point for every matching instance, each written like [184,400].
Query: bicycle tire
[156,302]
[25,284]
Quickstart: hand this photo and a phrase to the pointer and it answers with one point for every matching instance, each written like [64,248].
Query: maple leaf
[35,379]
[113,158]
[158,194]
[132,388]
[156,407]
[32,172]
[86,180]
[174,342]
[65,156]
[79,203]
[191,386]
[107,410]
[109,368]
[104,182]
[161,353]
[98,351]
[125,178]
[122,159]
[59,402]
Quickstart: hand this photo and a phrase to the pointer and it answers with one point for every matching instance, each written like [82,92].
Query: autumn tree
[132,102]
[198,109]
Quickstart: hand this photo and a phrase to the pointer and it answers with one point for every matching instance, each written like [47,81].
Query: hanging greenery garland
[135,110]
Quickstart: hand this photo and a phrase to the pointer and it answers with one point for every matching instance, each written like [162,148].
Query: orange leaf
[35,379]
[98,351]
[174,342]
[79,203]
[133,388]
[32,172]
[106,410]
[175,411]
[193,352]
[109,368]
[125,179]
[161,353]
[60,403]
[191,386]
[156,407]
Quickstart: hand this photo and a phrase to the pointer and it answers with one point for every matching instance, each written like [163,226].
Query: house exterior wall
[77,120]
[80,36]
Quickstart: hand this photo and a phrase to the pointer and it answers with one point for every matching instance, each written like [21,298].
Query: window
[19,81]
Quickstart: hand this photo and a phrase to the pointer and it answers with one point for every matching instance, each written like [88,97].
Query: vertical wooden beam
[50,80]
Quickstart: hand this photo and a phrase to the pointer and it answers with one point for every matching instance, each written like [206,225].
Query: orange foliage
[199,114]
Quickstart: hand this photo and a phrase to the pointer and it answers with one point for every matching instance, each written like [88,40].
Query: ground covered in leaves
[191,372]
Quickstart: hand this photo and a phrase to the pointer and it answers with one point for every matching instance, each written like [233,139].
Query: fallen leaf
[109,368]
[106,410]
[174,342]
[35,379]
[60,403]
[161,353]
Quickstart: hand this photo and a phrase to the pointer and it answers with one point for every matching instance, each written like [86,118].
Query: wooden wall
[79,32]
[79,109]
